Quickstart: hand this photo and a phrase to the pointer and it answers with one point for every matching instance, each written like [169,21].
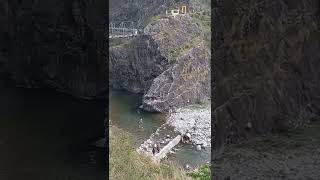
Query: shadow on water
[46,135]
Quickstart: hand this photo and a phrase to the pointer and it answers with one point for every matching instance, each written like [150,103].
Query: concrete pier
[165,150]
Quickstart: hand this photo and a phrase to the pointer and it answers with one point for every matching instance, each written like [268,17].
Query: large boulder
[184,83]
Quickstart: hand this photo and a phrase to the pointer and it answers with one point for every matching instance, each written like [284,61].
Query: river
[47,135]
[124,113]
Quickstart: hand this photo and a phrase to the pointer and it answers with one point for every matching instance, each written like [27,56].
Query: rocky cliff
[56,44]
[266,58]
[134,63]
[169,62]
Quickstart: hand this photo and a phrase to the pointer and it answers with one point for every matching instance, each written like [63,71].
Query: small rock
[188,166]
[168,136]
[198,147]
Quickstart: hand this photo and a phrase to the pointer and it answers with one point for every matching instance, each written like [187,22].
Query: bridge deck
[122,32]
[122,29]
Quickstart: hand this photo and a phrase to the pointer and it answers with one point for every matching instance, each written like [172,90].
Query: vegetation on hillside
[180,50]
[127,43]
[204,21]
[204,173]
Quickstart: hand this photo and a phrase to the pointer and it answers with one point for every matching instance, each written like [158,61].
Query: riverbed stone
[198,147]
[199,128]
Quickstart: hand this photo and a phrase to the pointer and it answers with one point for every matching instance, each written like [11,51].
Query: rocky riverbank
[196,120]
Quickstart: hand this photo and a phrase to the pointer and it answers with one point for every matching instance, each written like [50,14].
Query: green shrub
[204,173]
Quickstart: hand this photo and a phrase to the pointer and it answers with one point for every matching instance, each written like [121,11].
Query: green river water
[124,113]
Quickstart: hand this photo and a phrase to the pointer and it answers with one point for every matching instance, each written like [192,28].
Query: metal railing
[122,29]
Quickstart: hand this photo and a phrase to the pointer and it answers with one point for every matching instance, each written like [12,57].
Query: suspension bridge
[122,29]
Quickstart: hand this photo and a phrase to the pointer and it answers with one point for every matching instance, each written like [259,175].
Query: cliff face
[57,44]
[169,63]
[266,58]
[134,64]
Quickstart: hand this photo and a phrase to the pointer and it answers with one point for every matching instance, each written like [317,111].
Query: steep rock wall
[267,59]
[134,64]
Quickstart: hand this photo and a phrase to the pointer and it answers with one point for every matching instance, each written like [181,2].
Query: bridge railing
[122,29]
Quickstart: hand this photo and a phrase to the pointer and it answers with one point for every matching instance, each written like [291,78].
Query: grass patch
[176,53]
[204,173]
[153,19]
[126,163]
[124,43]
[205,24]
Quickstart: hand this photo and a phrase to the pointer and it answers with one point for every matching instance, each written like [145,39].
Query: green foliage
[153,19]
[204,173]
[125,43]
[205,24]
[116,42]
[180,50]
[204,4]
